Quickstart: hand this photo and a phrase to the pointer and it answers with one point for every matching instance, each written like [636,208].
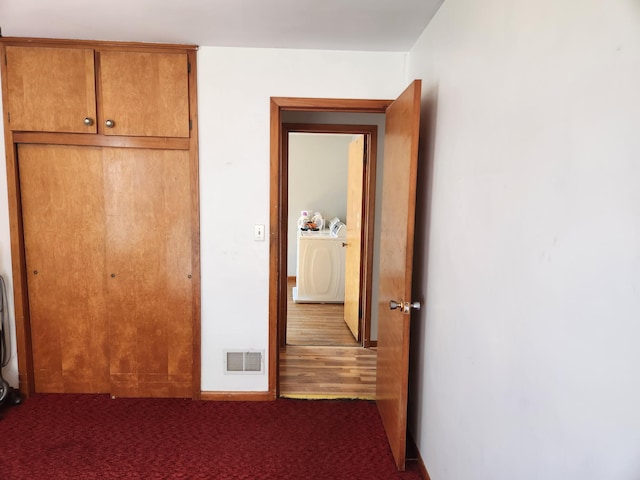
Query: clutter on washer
[313,222]
[337,228]
[303,220]
[318,220]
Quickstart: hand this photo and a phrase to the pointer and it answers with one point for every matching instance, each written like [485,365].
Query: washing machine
[321,268]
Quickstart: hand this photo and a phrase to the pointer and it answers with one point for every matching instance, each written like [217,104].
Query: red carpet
[95,437]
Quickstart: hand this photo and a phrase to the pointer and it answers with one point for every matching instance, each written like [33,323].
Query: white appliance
[321,268]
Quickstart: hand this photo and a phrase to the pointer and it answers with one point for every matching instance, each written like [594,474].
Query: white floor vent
[240,362]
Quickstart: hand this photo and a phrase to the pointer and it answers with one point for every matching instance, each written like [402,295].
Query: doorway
[282,107]
[331,168]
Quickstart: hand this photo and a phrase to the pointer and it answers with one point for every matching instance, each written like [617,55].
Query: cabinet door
[51,89]
[144,94]
[148,214]
[64,232]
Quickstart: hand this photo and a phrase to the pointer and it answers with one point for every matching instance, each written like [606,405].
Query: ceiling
[374,25]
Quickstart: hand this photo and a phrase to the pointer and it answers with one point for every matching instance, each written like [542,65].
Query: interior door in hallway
[396,265]
[353,242]
[64,231]
[149,272]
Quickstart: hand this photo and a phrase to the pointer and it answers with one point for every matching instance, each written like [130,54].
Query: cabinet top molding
[96,44]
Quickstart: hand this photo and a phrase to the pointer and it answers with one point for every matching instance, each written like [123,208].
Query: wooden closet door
[144,94]
[148,200]
[51,89]
[64,231]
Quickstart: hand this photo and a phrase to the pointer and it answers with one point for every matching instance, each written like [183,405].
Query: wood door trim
[278,173]
[96,44]
[94,140]
[195,227]
[331,105]
[237,396]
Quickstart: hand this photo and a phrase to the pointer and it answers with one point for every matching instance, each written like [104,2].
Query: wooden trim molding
[94,140]
[274,245]
[96,44]
[237,396]
[194,163]
[417,457]
[331,105]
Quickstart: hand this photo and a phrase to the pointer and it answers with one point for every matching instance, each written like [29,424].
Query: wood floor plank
[316,323]
[327,372]
[322,359]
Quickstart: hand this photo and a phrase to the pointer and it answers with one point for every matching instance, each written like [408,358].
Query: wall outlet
[258,233]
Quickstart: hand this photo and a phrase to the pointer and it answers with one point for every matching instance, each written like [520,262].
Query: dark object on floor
[9,396]
[68,436]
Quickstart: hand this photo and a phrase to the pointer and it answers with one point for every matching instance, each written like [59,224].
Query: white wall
[234,90]
[317,182]
[525,361]
[234,87]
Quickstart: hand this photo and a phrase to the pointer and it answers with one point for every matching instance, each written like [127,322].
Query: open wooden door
[396,265]
[354,236]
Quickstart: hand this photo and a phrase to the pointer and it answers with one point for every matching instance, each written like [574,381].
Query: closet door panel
[51,89]
[147,196]
[144,94]
[64,230]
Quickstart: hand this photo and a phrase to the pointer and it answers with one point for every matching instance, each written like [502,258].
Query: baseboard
[238,396]
[413,454]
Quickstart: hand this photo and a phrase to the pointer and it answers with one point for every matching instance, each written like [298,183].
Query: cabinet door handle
[110,124]
[88,121]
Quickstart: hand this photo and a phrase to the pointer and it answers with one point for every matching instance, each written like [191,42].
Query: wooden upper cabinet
[51,89]
[144,94]
[109,91]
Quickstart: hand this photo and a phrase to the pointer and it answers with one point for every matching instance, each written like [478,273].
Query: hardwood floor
[316,323]
[328,372]
[322,359]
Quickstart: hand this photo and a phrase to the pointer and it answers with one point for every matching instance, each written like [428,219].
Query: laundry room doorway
[331,175]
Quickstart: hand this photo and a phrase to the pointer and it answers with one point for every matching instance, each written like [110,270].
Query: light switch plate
[258,233]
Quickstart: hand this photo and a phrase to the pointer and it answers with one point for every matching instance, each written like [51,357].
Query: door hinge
[8,117]
[5,59]
[188,67]
[190,124]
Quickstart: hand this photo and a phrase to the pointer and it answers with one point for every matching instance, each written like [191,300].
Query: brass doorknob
[110,124]
[88,121]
